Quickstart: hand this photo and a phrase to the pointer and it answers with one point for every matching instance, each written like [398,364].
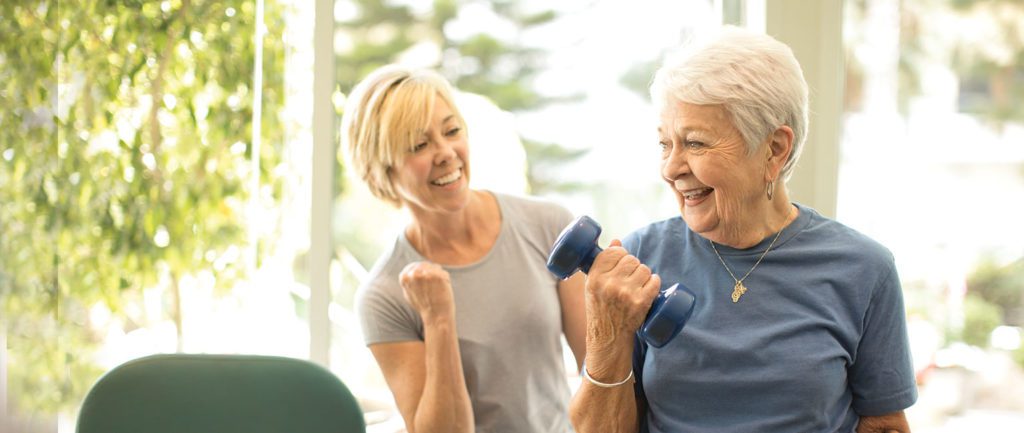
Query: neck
[766,221]
[457,237]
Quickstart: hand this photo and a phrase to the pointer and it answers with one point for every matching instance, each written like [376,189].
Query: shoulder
[380,286]
[848,254]
[532,211]
[832,235]
[652,235]
[659,228]
[383,313]
[527,204]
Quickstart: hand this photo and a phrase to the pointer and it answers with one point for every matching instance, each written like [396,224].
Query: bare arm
[596,409]
[618,293]
[426,377]
[574,316]
[895,422]
[429,401]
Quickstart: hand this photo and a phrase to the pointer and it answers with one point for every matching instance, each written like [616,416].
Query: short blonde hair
[385,114]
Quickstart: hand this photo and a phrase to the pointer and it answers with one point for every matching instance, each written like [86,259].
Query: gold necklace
[739,289]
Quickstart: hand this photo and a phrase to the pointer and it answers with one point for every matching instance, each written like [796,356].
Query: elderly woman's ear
[779,149]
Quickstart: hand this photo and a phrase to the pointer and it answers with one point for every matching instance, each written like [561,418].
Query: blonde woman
[460,313]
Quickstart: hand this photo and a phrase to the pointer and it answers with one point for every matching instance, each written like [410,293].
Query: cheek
[409,174]
[418,166]
[726,181]
[722,171]
[729,206]
[709,171]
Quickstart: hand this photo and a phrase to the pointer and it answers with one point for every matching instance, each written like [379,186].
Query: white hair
[753,76]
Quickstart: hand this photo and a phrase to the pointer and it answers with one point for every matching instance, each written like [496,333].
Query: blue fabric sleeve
[882,375]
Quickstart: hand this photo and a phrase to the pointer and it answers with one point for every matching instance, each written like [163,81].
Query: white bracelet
[586,375]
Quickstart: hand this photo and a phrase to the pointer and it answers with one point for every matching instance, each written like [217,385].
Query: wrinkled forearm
[596,409]
[895,422]
[603,410]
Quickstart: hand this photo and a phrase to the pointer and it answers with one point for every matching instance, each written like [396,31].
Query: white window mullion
[320,242]
[814,30]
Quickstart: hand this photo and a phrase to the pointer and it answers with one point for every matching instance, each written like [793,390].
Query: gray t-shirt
[508,319]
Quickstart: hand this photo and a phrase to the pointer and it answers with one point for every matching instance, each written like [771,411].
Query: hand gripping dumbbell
[576,249]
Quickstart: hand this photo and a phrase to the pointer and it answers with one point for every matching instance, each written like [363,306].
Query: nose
[675,164]
[445,151]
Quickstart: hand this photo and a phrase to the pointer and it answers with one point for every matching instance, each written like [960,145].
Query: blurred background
[170,179]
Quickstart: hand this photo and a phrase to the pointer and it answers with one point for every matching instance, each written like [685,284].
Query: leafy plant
[125,158]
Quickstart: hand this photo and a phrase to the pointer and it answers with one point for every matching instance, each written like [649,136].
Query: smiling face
[719,185]
[434,173]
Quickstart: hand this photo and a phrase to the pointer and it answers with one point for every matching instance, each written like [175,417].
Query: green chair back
[219,393]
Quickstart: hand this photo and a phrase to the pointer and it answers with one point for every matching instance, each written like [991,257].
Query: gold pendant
[738,291]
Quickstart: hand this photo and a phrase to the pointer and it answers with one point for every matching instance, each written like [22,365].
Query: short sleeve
[552,217]
[385,318]
[539,221]
[882,376]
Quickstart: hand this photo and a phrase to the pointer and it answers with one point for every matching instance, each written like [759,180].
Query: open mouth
[448,179]
[697,194]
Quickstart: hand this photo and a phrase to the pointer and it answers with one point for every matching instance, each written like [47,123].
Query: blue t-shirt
[818,340]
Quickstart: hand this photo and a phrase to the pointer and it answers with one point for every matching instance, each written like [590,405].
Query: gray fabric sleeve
[383,312]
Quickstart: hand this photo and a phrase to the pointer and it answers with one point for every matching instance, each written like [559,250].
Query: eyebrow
[450,117]
[681,132]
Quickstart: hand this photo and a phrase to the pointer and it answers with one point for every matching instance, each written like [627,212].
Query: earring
[771,189]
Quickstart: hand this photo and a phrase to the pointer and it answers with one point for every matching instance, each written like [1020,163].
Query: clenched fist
[427,286]
[619,293]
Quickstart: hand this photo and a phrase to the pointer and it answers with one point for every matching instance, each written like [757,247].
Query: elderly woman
[460,313]
[799,324]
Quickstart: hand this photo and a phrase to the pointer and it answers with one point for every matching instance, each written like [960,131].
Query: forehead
[440,115]
[676,118]
[442,110]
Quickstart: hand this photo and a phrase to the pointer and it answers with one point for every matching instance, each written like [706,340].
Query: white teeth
[692,195]
[448,178]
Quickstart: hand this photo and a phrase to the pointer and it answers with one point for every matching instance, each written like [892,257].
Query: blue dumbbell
[576,249]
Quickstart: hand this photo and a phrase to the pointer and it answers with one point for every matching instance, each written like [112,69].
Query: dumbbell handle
[576,249]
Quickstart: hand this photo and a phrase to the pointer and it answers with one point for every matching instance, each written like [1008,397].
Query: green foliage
[544,161]
[1002,286]
[980,318]
[638,77]
[124,167]
[1018,356]
[995,297]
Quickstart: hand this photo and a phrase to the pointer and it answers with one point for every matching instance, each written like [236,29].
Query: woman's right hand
[427,286]
[619,293]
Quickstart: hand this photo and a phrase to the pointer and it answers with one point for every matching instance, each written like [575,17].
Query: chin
[698,223]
